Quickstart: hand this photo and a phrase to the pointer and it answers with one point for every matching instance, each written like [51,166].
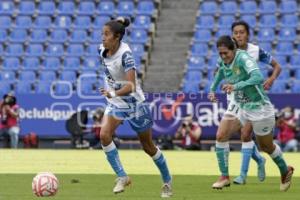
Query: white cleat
[166,190]
[121,183]
[223,181]
[286,180]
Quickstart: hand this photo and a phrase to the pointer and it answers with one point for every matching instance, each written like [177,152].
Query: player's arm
[129,86]
[265,57]
[217,79]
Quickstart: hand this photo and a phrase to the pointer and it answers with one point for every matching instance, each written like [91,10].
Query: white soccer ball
[44,184]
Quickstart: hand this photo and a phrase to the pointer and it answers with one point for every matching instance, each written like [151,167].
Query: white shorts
[262,120]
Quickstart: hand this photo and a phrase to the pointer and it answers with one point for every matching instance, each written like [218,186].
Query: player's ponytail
[118,26]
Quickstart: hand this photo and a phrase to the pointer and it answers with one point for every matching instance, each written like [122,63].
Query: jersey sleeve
[128,61]
[248,63]
[264,56]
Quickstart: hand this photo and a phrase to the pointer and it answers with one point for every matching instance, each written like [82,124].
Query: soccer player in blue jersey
[244,80]
[241,33]
[125,102]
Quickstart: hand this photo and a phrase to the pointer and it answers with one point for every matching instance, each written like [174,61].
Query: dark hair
[227,41]
[118,25]
[241,23]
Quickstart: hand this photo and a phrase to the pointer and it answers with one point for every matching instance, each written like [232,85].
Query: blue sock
[246,156]
[256,155]
[222,151]
[279,160]
[161,163]
[113,158]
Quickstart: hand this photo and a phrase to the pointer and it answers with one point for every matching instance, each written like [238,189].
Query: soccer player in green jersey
[244,79]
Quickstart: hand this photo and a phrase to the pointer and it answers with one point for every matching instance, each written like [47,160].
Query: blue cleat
[240,180]
[261,172]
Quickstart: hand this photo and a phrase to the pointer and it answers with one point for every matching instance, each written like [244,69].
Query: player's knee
[221,136]
[267,148]
[105,137]
[149,149]
[246,137]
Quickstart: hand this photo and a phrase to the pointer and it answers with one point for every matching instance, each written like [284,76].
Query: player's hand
[212,97]
[104,92]
[268,83]
[228,88]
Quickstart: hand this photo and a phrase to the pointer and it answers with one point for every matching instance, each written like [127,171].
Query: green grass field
[85,175]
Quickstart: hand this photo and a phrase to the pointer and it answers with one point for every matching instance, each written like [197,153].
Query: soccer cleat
[286,180]
[166,190]
[261,172]
[223,181]
[121,183]
[240,180]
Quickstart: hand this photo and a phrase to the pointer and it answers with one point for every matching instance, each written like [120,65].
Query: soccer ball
[44,184]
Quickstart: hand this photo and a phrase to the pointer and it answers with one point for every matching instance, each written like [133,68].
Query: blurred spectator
[9,126]
[189,132]
[94,134]
[286,122]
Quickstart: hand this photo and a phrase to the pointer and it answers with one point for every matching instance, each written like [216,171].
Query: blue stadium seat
[82,22]
[55,50]
[100,21]
[138,36]
[225,21]
[289,20]
[212,61]
[191,87]
[7,7]
[14,50]
[208,7]
[75,50]
[228,7]
[195,63]
[3,35]
[68,76]
[88,75]
[5,88]
[59,36]
[5,22]
[35,50]
[38,35]
[295,61]
[214,50]
[288,6]
[137,49]
[250,19]
[278,86]
[27,75]
[125,8]
[287,34]
[268,21]
[43,22]
[47,75]
[63,22]
[87,87]
[46,8]
[284,48]
[268,7]
[24,87]
[202,36]
[62,89]
[7,76]
[78,36]
[106,8]
[96,36]
[145,7]
[297,74]
[284,74]
[27,7]
[296,87]
[267,46]
[200,49]
[23,22]
[18,35]
[281,59]
[92,50]
[86,8]
[220,32]
[193,76]
[31,63]
[91,63]
[66,7]
[137,62]
[142,21]
[71,63]
[205,21]
[266,35]
[248,7]
[1,49]
[43,87]
[52,63]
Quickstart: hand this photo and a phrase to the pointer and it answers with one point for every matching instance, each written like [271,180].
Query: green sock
[280,162]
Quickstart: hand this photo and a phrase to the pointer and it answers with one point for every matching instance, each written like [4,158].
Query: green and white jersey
[248,93]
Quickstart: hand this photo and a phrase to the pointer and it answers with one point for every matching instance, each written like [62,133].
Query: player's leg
[222,150]
[249,150]
[108,128]
[264,134]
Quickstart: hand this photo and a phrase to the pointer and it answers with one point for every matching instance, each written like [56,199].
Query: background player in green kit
[244,79]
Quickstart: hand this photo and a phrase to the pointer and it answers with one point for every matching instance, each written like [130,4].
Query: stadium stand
[276,33]
[63,37]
